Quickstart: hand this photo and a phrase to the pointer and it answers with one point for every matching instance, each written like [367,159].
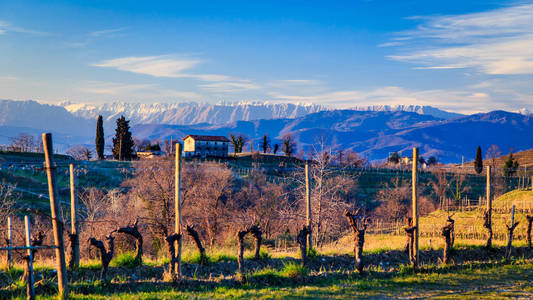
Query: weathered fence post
[488,212]
[308,207]
[510,237]
[30,291]
[177,204]
[74,262]
[415,207]
[9,243]
[56,217]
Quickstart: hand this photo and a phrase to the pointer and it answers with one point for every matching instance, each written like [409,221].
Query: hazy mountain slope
[422,110]
[32,114]
[376,134]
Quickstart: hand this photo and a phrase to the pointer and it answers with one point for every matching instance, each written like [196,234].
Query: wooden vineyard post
[57,223]
[488,213]
[177,204]
[74,262]
[415,207]
[308,207]
[30,291]
[9,243]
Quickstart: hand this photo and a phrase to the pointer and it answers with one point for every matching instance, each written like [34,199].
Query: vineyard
[321,230]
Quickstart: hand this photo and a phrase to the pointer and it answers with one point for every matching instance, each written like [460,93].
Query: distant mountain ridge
[373,131]
[186,113]
[419,109]
[376,134]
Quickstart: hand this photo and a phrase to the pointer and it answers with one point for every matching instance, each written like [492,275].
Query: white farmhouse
[205,146]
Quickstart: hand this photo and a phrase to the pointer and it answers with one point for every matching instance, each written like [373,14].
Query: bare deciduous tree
[152,194]
[262,201]
[22,143]
[80,152]
[207,197]
[394,200]
[8,199]
[332,192]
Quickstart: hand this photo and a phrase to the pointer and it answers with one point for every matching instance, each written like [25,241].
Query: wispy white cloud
[158,66]
[8,78]
[288,83]
[134,90]
[106,32]
[229,86]
[161,66]
[494,42]
[86,39]
[6,27]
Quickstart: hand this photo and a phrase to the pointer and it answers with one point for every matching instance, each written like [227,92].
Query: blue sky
[465,57]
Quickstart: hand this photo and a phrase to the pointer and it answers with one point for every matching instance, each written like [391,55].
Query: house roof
[211,138]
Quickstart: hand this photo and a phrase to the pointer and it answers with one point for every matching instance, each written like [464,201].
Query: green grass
[263,255]
[125,259]
[469,281]
[294,270]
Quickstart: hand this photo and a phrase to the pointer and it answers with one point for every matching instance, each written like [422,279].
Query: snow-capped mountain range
[370,130]
[185,113]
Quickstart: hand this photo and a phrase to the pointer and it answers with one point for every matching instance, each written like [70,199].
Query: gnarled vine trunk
[105,256]
[359,226]
[301,239]
[257,234]
[240,256]
[529,221]
[174,263]
[196,237]
[133,230]
[447,232]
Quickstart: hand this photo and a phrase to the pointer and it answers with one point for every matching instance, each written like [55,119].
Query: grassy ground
[475,273]
[469,281]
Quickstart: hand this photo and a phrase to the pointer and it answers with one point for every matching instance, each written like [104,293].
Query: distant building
[149,153]
[406,160]
[205,146]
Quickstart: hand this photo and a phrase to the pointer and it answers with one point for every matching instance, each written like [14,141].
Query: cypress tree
[99,140]
[478,163]
[265,144]
[122,142]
